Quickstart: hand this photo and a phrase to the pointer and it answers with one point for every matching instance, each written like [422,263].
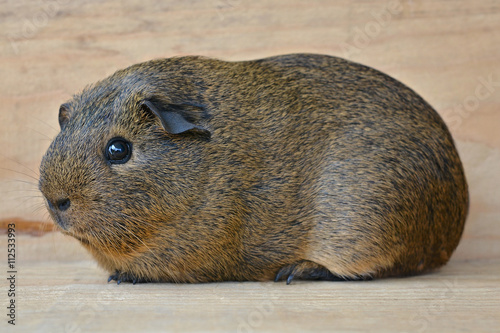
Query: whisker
[46,124]
[21,194]
[22,202]
[18,163]
[46,137]
[23,191]
[38,209]
[21,173]
[45,226]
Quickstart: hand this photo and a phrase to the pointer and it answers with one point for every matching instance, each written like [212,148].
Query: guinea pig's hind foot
[120,277]
[305,270]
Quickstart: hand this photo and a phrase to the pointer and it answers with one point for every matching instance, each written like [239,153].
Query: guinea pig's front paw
[120,277]
[306,270]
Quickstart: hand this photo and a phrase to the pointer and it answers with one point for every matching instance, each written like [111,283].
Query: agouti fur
[295,166]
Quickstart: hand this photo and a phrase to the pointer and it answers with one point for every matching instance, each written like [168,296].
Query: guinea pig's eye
[118,151]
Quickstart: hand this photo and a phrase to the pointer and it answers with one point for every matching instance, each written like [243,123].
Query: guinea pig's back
[391,196]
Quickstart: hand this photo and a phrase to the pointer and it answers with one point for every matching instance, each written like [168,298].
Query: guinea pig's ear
[64,113]
[176,118]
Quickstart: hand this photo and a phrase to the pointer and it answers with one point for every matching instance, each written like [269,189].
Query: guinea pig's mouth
[61,223]
[65,229]
[72,234]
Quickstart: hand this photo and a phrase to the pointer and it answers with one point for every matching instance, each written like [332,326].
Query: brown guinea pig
[194,170]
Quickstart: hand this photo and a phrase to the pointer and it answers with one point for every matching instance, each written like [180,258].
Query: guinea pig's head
[126,161]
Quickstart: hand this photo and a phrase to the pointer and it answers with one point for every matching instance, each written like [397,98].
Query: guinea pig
[192,169]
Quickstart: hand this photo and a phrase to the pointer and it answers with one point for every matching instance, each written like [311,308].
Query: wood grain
[67,292]
[449,52]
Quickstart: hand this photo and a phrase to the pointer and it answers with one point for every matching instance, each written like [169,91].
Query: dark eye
[118,151]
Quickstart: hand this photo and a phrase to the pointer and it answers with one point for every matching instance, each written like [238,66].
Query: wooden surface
[449,52]
[67,292]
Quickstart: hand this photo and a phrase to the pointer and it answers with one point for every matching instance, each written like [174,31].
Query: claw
[113,277]
[278,276]
[120,277]
[288,272]
[305,269]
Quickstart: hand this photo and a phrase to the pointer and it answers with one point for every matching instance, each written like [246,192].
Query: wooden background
[447,51]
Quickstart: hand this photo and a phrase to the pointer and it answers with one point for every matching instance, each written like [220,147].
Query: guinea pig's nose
[60,205]
[63,204]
